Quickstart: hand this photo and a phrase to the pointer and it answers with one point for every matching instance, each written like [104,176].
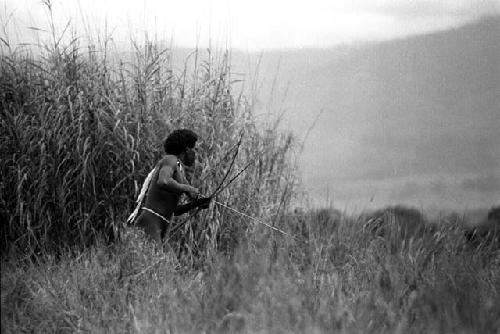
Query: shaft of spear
[255,219]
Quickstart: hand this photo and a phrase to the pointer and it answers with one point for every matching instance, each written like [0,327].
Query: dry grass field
[333,276]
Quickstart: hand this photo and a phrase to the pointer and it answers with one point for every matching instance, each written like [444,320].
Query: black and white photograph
[232,166]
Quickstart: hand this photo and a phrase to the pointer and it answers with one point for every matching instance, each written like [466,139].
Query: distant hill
[414,120]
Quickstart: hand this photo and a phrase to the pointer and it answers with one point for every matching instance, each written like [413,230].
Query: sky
[248,25]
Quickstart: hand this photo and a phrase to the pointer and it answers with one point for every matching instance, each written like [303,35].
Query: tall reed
[81,126]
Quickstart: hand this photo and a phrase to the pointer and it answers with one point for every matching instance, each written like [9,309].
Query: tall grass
[333,276]
[81,127]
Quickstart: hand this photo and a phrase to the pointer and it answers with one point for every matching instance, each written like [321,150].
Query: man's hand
[193,193]
[203,203]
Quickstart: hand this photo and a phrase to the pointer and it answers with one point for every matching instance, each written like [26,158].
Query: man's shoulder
[168,160]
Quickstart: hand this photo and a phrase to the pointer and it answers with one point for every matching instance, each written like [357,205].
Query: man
[159,199]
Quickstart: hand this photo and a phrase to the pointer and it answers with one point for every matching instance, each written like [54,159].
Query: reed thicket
[81,128]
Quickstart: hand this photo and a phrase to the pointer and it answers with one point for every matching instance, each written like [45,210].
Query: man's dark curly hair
[179,140]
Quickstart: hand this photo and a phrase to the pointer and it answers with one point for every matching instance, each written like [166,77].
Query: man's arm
[167,182]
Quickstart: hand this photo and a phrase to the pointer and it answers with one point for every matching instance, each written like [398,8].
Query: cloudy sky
[250,25]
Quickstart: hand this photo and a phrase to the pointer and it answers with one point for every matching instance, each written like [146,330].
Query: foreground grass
[332,276]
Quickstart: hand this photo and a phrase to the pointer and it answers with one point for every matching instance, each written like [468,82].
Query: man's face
[190,156]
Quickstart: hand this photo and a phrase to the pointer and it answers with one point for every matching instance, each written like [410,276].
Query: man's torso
[159,199]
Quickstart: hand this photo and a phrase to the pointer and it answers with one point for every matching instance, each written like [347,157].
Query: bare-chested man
[168,183]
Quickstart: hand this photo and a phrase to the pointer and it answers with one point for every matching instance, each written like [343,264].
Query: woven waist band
[156,214]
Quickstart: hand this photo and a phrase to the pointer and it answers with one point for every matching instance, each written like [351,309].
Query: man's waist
[154,212]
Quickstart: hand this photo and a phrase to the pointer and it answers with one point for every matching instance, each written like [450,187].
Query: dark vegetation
[487,233]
